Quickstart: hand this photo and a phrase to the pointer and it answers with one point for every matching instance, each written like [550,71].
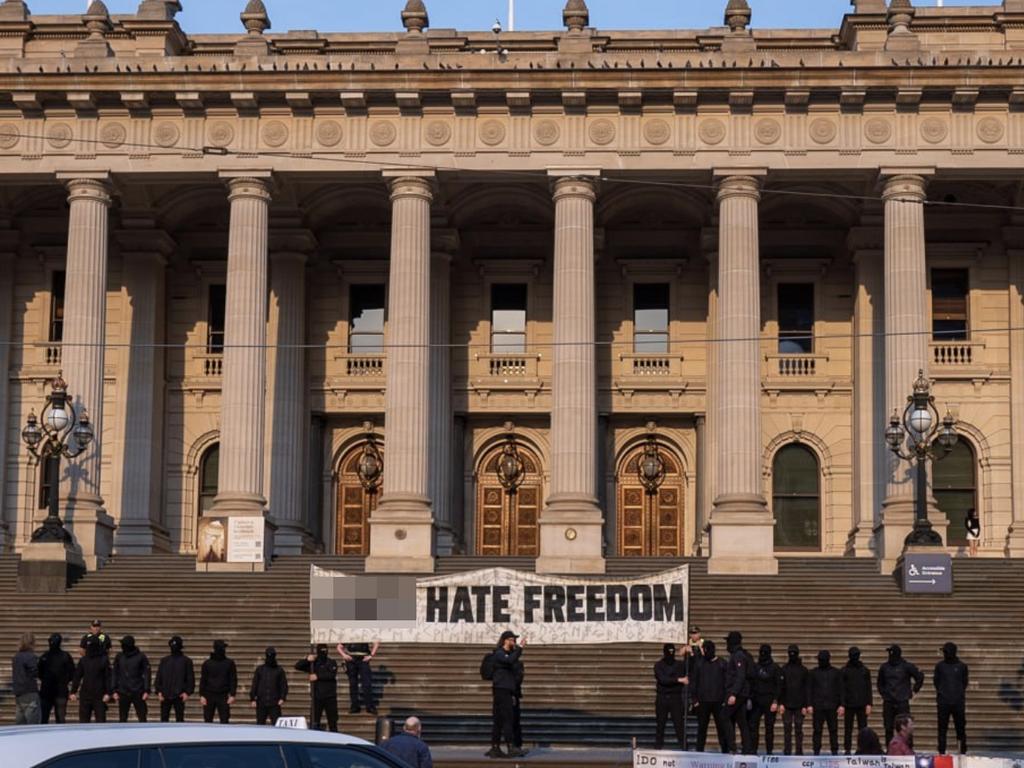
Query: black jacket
[857,691]
[24,673]
[326,671]
[131,673]
[56,671]
[175,676]
[825,688]
[894,681]
[269,685]
[766,684]
[218,677]
[92,679]
[504,663]
[708,682]
[951,682]
[667,673]
[794,686]
[737,681]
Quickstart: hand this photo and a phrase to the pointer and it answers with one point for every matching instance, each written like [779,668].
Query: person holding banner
[825,694]
[504,684]
[894,686]
[708,692]
[793,701]
[766,691]
[322,671]
[670,675]
[737,686]
[857,696]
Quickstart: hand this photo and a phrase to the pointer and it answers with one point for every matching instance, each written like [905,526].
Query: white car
[184,746]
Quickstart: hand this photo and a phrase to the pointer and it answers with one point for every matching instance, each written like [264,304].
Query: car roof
[24,746]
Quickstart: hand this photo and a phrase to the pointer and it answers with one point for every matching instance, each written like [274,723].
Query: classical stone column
[243,392]
[140,527]
[709,464]
[401,528]
[289,415]
[85,313]
[442,424]
[1015,539]
[7,515]
[571,525]
[701,484]
[906,343]
[741,526]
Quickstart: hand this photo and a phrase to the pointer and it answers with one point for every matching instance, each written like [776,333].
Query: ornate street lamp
[370,467]
[651,467]
[61,431]
[914,437]
[511,469]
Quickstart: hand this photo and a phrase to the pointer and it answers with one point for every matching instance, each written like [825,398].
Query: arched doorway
[209,478]
[955,485]
[650,524]
[796,499]
[508,523]
[356,501]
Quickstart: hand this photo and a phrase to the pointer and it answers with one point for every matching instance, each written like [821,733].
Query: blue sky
[383,15]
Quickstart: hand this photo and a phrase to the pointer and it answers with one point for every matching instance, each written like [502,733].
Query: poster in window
[245,539]
[213,540]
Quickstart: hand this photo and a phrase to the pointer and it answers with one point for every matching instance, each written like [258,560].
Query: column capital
[742,183]
[574,183]
[252,185]
[294,241]
[410,184]
[87,186]
[906,185]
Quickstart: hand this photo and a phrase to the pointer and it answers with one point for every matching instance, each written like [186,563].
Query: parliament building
[562,295]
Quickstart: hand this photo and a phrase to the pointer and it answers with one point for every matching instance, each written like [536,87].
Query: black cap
[96,623]
[734,638]
[508,634]
[694,629]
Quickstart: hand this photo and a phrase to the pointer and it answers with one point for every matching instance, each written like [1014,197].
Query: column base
[51,567]
[571,536]
[896,526]
[92,529]
[291,539]
[447,543]
[401,535]
[217,552]
[861,543]
[1015,541]
[142,537]
[742,537]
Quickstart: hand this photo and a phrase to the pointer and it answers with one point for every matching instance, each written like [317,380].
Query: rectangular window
[366,319]
[57,307]
[215,319]
[508,318]
[796,318]
[949,304]
[650,319]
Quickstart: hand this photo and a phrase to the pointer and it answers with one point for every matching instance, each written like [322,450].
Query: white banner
[475,608]
[665,759]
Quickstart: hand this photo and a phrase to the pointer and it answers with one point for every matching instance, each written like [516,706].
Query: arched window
[209,473]
[796,499]
[954,483]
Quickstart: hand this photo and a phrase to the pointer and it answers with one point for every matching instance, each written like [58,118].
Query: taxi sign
[295,723]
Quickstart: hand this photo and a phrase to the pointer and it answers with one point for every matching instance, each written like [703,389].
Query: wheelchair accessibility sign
[928,574]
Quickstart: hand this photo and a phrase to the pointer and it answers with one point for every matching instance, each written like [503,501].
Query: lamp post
[913,438]
[61,430]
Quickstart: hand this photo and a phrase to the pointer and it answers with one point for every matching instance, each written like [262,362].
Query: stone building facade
[512,267]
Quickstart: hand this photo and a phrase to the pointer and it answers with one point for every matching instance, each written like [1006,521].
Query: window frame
[213,348]
[203,461]
[780,334]
[526,317]
[940,492]
[667,333]
[51,337]
[776,497]
[350,334]
[100,752]
[949,268]
[281,746]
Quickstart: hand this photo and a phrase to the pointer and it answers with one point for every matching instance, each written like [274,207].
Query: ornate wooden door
[355,504]
[651,525]
[508,524]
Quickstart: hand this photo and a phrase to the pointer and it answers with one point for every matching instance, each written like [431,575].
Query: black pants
[267,714]
[737,714]
[517,720]
[90,710]
[504,716]
[762,708]
[360,676]
[889,711]
[959,714]
[821,718]
[665,706]
[125,702]
[217,704]
[793,731]
[179,710]
[327,705]
[706,711]
[860,714]
[59,707]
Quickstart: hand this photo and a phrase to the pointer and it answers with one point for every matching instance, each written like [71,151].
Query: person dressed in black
[322,671]
[357,658]
[825,698]
[56,671]
[857,697]
[950,681]
[269,689]
[898,682]
[737,691]
[670,677]
[707,691]
[131,681]
[96,634]
[765,690]
[218,684]
[502,666]
[175,681]
[517,704]
[92,684]
[793,701]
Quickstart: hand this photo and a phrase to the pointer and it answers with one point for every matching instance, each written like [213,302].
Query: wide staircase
[599,695]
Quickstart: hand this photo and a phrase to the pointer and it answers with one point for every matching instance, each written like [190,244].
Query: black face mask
[765,655]
[128,645]
[895,655]
[55,641]
[794,655]
[854,657]
[321,651]
[176,645]
[824,660]
[271,659]
[709,650]
[949,652]
[220,651]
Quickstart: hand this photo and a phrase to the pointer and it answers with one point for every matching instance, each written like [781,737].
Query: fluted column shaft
[906,311]
[1015,539]
[243,392]
[441,418]
[85,312]
[7,265]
